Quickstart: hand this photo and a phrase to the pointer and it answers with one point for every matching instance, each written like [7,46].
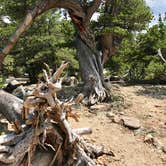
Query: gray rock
[101,107]
[131,122]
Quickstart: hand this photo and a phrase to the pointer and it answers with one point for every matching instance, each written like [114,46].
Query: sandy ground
[146,103]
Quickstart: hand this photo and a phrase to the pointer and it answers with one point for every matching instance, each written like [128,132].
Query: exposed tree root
[46,127]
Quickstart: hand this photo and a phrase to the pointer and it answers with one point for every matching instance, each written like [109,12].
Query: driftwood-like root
[46,129]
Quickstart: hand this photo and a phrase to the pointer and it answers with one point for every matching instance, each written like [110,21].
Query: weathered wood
[48,129]
[82,131]
[11,139]
[10,108]
[4,149]
[59,71]
[80,13]
[108,49]
[91,72]
[159,53]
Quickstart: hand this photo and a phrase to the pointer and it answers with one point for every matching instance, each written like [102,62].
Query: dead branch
[46,126]
[160,55]
[57,74]
[38,10]
[82,131]
[92,8]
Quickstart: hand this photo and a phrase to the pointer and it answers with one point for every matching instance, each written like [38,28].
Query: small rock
[150,115]
[121,113]
[101,107]
[117,119]
[114,118]
[163,158]
[110,114]
[131,122]
[148,138]
[164,149]
[157,143]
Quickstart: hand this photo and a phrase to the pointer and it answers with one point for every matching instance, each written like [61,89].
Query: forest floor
[145,146]
[144,107]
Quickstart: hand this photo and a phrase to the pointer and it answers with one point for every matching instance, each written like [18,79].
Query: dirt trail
[146,103]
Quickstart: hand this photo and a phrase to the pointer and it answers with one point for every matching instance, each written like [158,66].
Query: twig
[160,55]
[56,154]
[57,74]
[48,69]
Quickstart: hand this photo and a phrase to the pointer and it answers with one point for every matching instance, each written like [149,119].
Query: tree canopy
[50,37]
[140,57]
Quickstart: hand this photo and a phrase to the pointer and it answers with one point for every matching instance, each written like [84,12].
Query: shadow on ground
[157,91]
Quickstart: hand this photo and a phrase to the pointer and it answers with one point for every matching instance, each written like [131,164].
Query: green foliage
[156,70]
[2,81]
[49,40]
[124,16]
[138,58]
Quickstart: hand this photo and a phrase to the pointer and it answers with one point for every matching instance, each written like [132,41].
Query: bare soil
[146,103]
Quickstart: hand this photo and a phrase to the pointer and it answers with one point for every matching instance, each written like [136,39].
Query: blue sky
[157,6]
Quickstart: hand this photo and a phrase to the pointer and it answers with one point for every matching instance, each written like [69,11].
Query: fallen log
[46,128]
[10,108]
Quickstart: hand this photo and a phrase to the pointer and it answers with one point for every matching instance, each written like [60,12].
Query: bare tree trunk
[89,60]
[80,14]
[108,49]
[91,71]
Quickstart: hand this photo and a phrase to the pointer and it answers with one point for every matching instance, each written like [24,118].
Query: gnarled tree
[89,59]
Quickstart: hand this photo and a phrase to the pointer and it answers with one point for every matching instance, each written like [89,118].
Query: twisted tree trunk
[91,71]
[89,59]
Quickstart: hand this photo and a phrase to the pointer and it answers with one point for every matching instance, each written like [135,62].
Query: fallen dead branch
[46,127]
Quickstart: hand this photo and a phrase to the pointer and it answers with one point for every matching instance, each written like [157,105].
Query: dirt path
[148,104]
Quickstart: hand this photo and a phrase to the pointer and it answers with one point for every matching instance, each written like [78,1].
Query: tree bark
[46,128]
[91,71]
[10,108]
[108,49]
[89,58]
